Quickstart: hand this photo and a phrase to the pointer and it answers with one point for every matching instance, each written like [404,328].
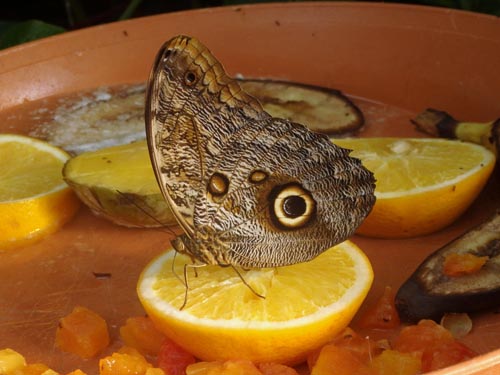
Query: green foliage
[21,32]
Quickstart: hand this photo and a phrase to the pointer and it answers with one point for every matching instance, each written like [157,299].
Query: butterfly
[247,189]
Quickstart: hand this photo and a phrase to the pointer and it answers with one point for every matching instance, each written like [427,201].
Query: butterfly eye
[218,185]
[292,207]
[189,78]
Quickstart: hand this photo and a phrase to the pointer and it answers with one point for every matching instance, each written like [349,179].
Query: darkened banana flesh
[429,293]
[321,109]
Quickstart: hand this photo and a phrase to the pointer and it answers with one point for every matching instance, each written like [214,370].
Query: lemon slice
[118,183]
[305,305]
[34,199]
[423,184]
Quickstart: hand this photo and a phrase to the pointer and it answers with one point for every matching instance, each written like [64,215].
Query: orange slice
[423,184]
[34,199]
[305,305]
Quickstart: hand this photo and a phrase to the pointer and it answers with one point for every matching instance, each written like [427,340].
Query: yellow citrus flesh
[125,168]
[423,184]
[118,183]
[34,199]
[305,305]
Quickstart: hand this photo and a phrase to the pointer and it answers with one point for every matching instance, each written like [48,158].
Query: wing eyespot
[258,176]
[218,185]
[190,78]
[291,206]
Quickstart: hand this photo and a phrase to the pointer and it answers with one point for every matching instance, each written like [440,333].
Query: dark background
[25,20]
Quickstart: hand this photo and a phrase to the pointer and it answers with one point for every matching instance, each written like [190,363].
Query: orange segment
[423,184]
[34,199]
[305,305]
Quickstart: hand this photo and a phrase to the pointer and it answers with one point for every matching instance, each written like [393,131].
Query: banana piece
[442,124]
[429,293]
[321,109]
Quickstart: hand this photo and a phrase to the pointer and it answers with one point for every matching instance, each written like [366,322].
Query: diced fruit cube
[392,362]
[203,368]
[337,360]
[433,343]
[77,372]
[31,369]
[455,265]
[82,332]
[446,355]
[425,335]
[382,314]
[230,367]
[10,360]
[123,364]
[172,359]
[50,372]
[239,366]
[362,347]
[139,332]
[276,369]
[154,371]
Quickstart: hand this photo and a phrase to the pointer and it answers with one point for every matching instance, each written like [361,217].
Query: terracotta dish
[395,60]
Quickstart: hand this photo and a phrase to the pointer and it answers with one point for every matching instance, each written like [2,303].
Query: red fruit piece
[172,359]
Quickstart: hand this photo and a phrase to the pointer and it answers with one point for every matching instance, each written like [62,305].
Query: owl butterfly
[248,189]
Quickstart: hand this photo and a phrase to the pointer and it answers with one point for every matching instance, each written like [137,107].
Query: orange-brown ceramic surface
[400,59]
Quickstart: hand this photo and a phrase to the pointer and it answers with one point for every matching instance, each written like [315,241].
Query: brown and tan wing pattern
[192,107]
[248,189]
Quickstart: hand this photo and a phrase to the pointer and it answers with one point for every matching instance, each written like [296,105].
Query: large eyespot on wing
[291,206]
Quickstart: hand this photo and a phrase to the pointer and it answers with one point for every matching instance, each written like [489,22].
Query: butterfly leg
[185,282]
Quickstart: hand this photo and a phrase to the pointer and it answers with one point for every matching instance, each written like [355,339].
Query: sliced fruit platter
[99,290]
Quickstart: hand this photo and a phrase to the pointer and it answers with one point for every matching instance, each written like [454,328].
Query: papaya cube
[154,371]
[123,364]
[50,372]
[32,369]
[82,332]
[338,360]
[392,362]
[276,369]
[229,367]
[10,361]
[77,372]
[140,333]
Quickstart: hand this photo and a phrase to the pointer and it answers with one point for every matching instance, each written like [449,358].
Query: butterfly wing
[192,107]
[248,189]
[291,195]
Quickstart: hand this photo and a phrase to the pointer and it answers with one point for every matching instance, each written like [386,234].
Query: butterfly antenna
[163,228]
[247,284]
